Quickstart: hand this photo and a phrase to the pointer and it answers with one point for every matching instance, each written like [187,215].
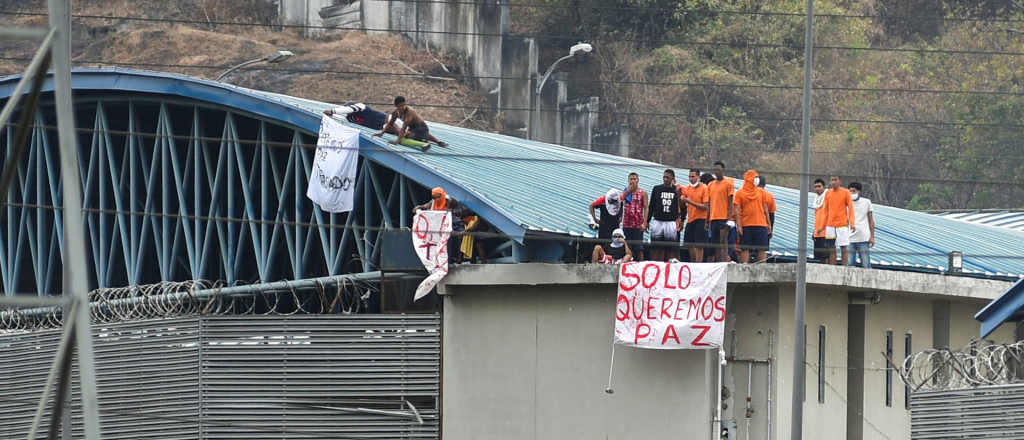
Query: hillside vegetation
[890,108]
[186,37]
[919,100]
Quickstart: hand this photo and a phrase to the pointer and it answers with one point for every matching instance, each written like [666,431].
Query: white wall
[533,363]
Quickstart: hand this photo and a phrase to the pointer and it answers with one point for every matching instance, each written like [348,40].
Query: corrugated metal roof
[1003,219]
[546,188]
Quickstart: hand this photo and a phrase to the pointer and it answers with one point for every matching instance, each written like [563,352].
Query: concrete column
[940,323]
[855,375]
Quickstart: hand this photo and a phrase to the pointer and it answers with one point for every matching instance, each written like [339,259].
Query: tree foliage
[926,113]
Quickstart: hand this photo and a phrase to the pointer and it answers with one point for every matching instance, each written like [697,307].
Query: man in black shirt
[665,223]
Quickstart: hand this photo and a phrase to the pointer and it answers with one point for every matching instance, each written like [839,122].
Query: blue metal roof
[1003,219]
[1005,308]
[524,187]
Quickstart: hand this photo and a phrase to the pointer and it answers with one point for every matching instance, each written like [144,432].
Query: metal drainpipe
[750,384]
[771,347]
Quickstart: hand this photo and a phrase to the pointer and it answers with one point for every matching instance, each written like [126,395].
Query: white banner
[671,305]
[430,233]
[332,181]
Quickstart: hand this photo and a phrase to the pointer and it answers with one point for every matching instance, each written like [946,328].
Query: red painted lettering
[679,308]
[422,227]
[643,275]
[668,270]
[621,314]
[707,308]
[720,306]
[666,304]
[626,276]
[640,333]
[670,332]
[699,340]
[638,310]
[689,276]
[650,309]
[694,310]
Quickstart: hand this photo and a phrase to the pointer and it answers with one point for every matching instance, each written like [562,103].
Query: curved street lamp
[581,47]
[273,58]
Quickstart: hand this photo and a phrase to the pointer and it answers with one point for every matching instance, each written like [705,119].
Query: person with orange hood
[440,201]
[752,212]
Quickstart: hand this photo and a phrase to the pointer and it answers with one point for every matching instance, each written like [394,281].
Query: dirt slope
[335,68]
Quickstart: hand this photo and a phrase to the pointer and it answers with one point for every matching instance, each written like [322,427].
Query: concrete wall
[514,94]
[579,118]
[611,140]
[526,350]
[753,318]
[533,364]
[551,98]
[304,12]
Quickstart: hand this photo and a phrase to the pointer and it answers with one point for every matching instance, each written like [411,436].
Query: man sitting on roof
[362,114]
[613,253]
[415,127]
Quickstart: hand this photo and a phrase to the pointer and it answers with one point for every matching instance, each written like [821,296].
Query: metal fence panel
[969,413]
[321,376]
[244,377]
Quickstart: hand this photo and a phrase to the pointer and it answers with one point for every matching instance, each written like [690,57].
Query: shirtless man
[414,128]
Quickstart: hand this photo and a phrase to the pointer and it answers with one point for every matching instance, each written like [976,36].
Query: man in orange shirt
[752,212]
[695,200]
[839,217]
[769,198]
[821,245]
[720,212]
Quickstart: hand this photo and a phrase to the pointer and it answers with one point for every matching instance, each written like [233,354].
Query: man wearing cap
[613,253]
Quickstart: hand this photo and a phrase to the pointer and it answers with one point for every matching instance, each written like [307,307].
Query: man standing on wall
[863,237]
[769,199]
[752,213]
[720,212]
[821,244]
[694,235]
[839,218]
[634,211]
[665,223]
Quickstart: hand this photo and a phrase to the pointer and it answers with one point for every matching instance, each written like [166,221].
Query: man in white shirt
[863,236]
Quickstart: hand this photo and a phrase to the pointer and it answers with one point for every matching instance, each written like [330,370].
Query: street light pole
[799,357]
[273,58]
[535,120]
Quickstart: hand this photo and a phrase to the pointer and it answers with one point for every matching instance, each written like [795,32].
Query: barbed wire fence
[980,363]
[314,296]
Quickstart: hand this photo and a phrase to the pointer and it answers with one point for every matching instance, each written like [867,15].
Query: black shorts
[717,226]
[754,238]
[694,234]
[419,132]
[822,246]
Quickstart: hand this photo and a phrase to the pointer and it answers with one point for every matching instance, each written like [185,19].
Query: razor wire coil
[980,363]
[180,299]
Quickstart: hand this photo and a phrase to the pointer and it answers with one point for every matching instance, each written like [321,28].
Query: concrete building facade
[527,352]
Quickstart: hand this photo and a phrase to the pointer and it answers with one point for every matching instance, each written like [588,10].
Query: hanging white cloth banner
[430,233]
[671,305]
[332,180]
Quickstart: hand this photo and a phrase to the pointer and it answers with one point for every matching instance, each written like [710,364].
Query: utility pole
[77,333]
[799,361]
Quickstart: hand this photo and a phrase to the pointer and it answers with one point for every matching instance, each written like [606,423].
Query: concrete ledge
[848,278]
